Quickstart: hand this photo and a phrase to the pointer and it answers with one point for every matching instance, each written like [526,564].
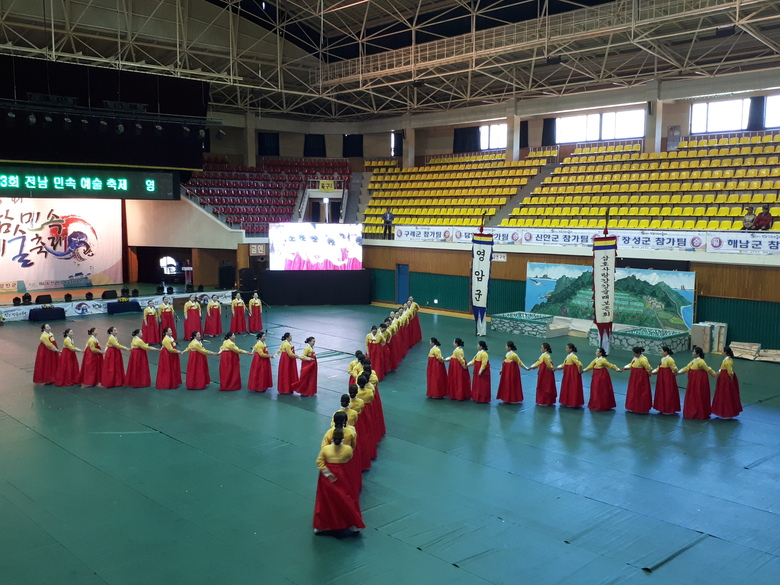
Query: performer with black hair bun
[92,362]
[198,375]
[667,394]
[307,382]
[260,374]
[436,374]
[137,374]
[602,395]
[68,363]
[510,386]
[697,394]
[458,378]
[639,397]
[571,385]
[229,364]
[169,366]
[336,504]
[546,391]
[288,368]
[480,382]
[46,358]
[113,373]
[726,403]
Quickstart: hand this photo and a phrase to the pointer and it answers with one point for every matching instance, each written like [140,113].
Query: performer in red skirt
[667,394]
[192,317]
[480,382]
[374,342]
[238,320]
[697,394]
[726,403]
[377,411]
[363,454]
[639,397]
[437,372]
[307,383]
[355,367]
[571,385]
[339,421]
[335,506]
[213,325]
[113,373]
[169,366]
[602,395]
[46,359]
[68,363]
[151,326]
[288,368]
[510,387]
[458,379]
[167,317]
[198,376]
[137,374]
[384,348]
[415,321]
[255,313]
[260,377]
[546,392]
[229,364]
[92,362]
[366,394]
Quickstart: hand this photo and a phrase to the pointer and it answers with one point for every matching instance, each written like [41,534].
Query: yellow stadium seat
[725,224]
[735,212]
[713,224]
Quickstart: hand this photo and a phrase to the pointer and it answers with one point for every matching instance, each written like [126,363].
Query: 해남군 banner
[481,256]
[604,250]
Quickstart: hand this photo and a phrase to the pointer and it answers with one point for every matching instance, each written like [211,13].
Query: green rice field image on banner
[661,299]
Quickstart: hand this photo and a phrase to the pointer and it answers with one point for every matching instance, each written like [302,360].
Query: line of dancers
[347,450]
[389,343]
[457,383]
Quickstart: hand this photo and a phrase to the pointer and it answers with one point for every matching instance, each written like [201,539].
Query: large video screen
[315,246]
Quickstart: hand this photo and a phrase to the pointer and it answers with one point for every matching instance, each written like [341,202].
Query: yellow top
[572,360]
[393,327]
[93,344]
[356,404]
[728,365]
[333,454]
[169,344]
[513,357]
[261,349]
[457,354]
[372,339]
[112,342]
[239,302]
[229,345]
[640,362]
[137,343]
[404,319]
[68,344]
[308,351]
[386,336]
[47,339]
[366,394]
[213,304]
[373,379]
[164,309]
[352,416]
[415,307]
[253,302]
[668,362]
[190,305]
[483,358]
[698,363]
[287,348]
[435,352]
[150,311]
[544,359]
[599,364]
[354,368]
[350,437]
[197,346]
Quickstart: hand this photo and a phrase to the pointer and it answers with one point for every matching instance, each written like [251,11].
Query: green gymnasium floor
[120,486]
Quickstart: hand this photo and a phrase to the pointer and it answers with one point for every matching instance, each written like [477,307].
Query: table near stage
[52,314]
[124,307]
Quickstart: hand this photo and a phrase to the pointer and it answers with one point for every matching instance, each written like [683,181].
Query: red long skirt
[356,474]
[639,397]
[602,395]
[91,368]
[198,376]
[46,362]
[238,320]
[386,358]
[546,392]
[67,368]
[403,347]
[335,507]
[168,371]
[379,413]
[363,452]
[571,387]
[726,403]
[192,323]
[113,373]
[287,375]
[667,394]
[377,360]
[137,375]
[151,329]
[510,387]
[395,351]
[260,377]
[256,320]
[368,416]
[307,383]
[213,322]
[437,379]
[458,382]
[167,320]
[480,384]
[697,395]
[229,371]
[416,330]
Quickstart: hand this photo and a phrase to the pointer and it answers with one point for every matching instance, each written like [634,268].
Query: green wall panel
[751,321]
[506,296]
[382,285]
[451,292]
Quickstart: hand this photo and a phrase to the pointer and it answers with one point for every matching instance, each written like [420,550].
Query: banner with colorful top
[481,256]
[604,252]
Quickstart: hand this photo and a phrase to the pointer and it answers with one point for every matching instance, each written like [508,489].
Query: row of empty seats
[705,142]
[642,224]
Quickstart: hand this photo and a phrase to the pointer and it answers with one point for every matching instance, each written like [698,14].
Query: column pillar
[409,147]
[513,138]
[653,119]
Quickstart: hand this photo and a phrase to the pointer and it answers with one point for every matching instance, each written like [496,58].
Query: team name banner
[604,251]
[744,242]
[481,256]
[59,243]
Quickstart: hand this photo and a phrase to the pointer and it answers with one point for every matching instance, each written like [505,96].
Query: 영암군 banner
[481,255]
[59,243]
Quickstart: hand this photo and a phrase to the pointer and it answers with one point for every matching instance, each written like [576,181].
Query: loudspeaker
[200,288]
[89,296]
[125,291]
[160,289]
[169,290]
[108,294]
[227,277]
[43,300]
[17,301]
[189,288]
[247,280]
[27,299]
[68,297]
[135,292]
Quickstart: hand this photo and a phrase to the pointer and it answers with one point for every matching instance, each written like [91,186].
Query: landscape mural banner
[660,299]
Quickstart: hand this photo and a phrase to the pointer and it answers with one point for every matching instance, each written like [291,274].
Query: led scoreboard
[72,182]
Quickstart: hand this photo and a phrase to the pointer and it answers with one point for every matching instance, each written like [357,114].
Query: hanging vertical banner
[481,255]
[604,251]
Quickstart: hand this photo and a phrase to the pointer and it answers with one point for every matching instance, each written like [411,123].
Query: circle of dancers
[471,380]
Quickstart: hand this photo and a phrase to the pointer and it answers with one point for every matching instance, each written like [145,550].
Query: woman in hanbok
[192,317]
[667,394]
[727,402]
[169,366]
[151,326]
[436,374]
[341,421]
[697,394]
[510,386]
[92,362]
[546,391]
[47,358]
[229,364]
[198,376]
[238,320]
[255,314]
[113,373]
[213,325]
[458,378]
[336,503]
[376,404]
[571,385]
[480,381]
[307,382]
[137,374]
[288,367]
[639,397]
[167,318]
[602,395]
[374,343]
[68,363]
[260,373]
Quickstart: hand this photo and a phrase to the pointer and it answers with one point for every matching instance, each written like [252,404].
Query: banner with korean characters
[743,242]
[428,233]
[501,236]
[689,241]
